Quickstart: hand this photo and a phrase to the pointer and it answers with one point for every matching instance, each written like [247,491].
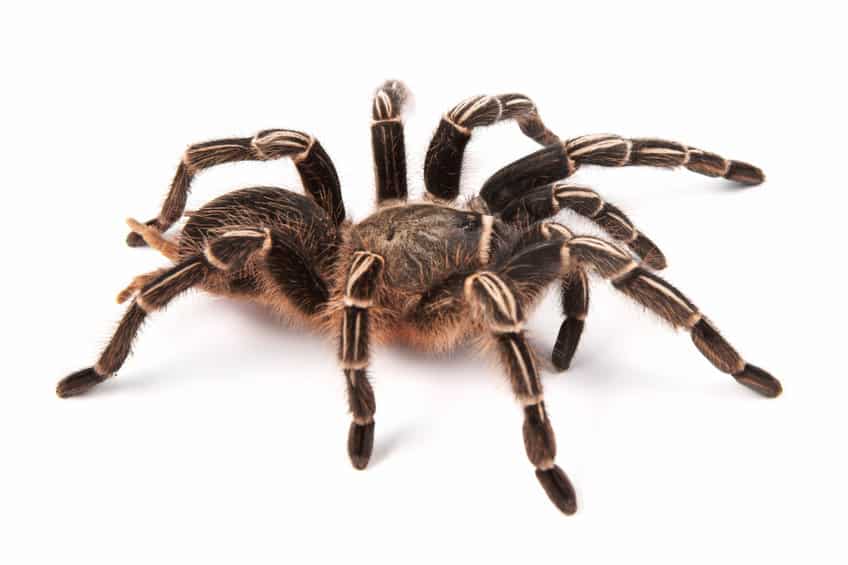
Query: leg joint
[363,277]
[488,292]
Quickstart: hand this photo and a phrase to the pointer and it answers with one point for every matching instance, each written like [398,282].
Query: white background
[222,440]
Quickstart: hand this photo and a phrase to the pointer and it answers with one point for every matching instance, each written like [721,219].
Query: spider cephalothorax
[430,274]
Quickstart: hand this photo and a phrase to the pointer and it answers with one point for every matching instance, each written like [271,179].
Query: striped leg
[360,290]
[574,296]
[496,303]
[574,287]
[443,164]
[668,303]
[559,161]
[609,150]
[546,201]
[230,251]
[387,141]
[313,164]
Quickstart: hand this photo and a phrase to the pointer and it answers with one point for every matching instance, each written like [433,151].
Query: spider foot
[558,488]
[759,381]
[78,383]
[566,343]
[360,442]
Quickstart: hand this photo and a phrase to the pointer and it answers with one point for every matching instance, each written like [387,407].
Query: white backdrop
[222,440]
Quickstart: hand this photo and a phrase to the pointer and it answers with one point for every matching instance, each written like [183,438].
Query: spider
[431,273]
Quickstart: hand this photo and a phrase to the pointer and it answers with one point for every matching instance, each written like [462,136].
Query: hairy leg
[496,298]
[443,163]
[574,286]
[661,298]
[544,202]
[230,251]
[574,298]
[387,141]
[316,170]
[361,286]
[561,160]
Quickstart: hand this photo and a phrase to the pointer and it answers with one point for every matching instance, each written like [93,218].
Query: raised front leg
[313,164]
[443,164]
[354,336]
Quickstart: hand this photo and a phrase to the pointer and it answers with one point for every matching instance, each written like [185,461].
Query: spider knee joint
[495,300]
[363,277]
[210,257]
[232,249]
[487,222]
[553,230]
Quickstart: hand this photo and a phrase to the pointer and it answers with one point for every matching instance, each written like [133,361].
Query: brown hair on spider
[430,273]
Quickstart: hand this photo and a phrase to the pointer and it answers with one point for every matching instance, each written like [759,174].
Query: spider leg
[387,141]
[574,297]
[546,201]
[443,163]
[561,160]
[354,335]
[500,295]
[496,299]
[609,150]
[312,162]
[660,297]
[228,252]
[574,289]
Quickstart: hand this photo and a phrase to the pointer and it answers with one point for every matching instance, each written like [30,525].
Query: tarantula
[430,274]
